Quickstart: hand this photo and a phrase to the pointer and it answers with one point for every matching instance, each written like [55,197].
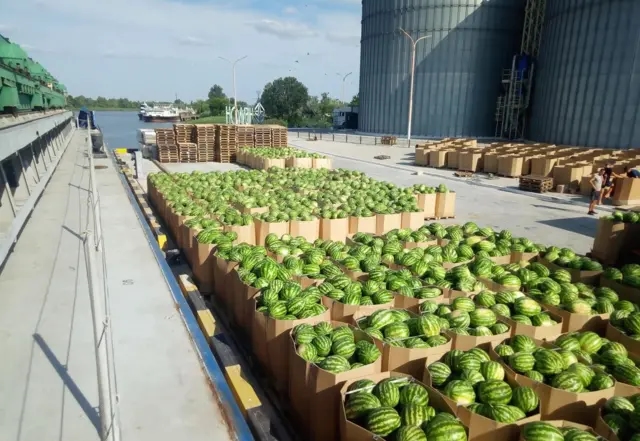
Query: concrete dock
[48,380]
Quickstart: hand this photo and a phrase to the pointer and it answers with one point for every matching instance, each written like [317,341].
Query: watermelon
[540,431]
[414,394]
[494,392]
[359,404]
[383,420]
[387,392]
[439,372]
[525,399]
[460,391]
[410,433]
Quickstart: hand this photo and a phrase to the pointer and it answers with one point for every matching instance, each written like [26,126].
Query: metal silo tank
[587,89]
[458,69]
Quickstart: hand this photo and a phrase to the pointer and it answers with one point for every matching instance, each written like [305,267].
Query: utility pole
[414,43]
[235,95]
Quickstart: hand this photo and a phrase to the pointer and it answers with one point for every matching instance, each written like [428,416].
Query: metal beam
[25,210]
[16,137]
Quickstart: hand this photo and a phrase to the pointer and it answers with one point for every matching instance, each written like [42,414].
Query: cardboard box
[587,428]
[422,156]
[519,256]
[274,335]
[246,233]
[427,203]
[344,313]
[263,229]
[268,163]
[625,292]
[445,204]
[626,192]
[310,230]
[413,221]
[549,333]
[438,158]
[242,302]
[299,162]
[588,277]
[222,281]
[322,163]
[557,404]
[510,165]
[334,229]
[203,267]
[579,322]
[482,428]
[362,224]
[470,161]
[409,361]
[388,222]
[466,342]
[452,159]
[350,431]
[610,240]
[490,162]
[319,398]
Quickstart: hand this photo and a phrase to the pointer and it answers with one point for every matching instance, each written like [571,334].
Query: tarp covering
[86,119]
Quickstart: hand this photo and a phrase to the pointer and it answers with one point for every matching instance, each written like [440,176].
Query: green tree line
[286,101]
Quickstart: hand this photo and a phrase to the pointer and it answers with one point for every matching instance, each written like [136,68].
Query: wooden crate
[536,183]
[279,136]
[184,132]
[246,136]
[188,152]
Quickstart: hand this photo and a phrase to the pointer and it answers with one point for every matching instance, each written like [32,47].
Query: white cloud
[290,10]
[284,30]
[152,49]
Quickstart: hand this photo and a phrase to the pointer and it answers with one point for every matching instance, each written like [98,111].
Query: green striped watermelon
[383,420]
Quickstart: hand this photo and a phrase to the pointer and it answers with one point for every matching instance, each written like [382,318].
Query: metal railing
[101,311]
[351,138]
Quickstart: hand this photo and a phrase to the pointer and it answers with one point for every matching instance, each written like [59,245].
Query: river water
[120,128]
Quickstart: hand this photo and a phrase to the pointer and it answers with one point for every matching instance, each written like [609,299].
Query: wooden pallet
[536,184]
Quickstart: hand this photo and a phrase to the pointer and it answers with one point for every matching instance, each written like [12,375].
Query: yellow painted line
[162,241]
[207,323]
[120,151]
[186,284]
[245,395]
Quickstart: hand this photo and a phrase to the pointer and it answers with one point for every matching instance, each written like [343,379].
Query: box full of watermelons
[392,405]
[322,358]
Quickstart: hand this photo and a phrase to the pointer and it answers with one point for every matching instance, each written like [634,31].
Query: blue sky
[154,49]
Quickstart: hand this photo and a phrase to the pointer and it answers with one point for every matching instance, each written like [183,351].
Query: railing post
[100,341]
[95,202]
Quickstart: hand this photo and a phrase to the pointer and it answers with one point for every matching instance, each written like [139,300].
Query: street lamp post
[343,79]
[235,96]
[414,43]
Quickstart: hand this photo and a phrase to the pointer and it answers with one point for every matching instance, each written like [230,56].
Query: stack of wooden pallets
[184,132]
[167,147]
[188,151]
[263,136]
[246,136]
[226,143]
[278,136]
[205,139]
[536,183]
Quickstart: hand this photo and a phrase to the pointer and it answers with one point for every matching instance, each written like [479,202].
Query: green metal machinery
[25,85]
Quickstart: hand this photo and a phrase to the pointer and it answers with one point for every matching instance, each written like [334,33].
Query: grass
[209,120]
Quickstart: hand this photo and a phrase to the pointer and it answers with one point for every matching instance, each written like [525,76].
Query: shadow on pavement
[585,225]
[71,385]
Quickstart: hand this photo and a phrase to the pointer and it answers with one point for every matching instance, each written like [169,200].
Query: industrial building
[561,71]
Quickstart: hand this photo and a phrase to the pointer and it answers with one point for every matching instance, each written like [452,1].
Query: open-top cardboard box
[409,361]
[557,404]
[350,431]
[315,393]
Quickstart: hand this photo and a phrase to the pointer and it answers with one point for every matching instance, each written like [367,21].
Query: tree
[355,101]
[216,92]
[217,105]
[285,98]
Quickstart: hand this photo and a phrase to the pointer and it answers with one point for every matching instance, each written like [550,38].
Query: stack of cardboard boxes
[570,167]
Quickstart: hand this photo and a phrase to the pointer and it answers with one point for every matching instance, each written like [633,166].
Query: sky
[155,49]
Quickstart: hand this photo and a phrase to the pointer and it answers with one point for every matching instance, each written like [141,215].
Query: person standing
[607,185]
[596,190]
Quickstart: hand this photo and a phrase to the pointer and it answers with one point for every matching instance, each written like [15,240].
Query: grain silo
[458,69]
[587,85]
